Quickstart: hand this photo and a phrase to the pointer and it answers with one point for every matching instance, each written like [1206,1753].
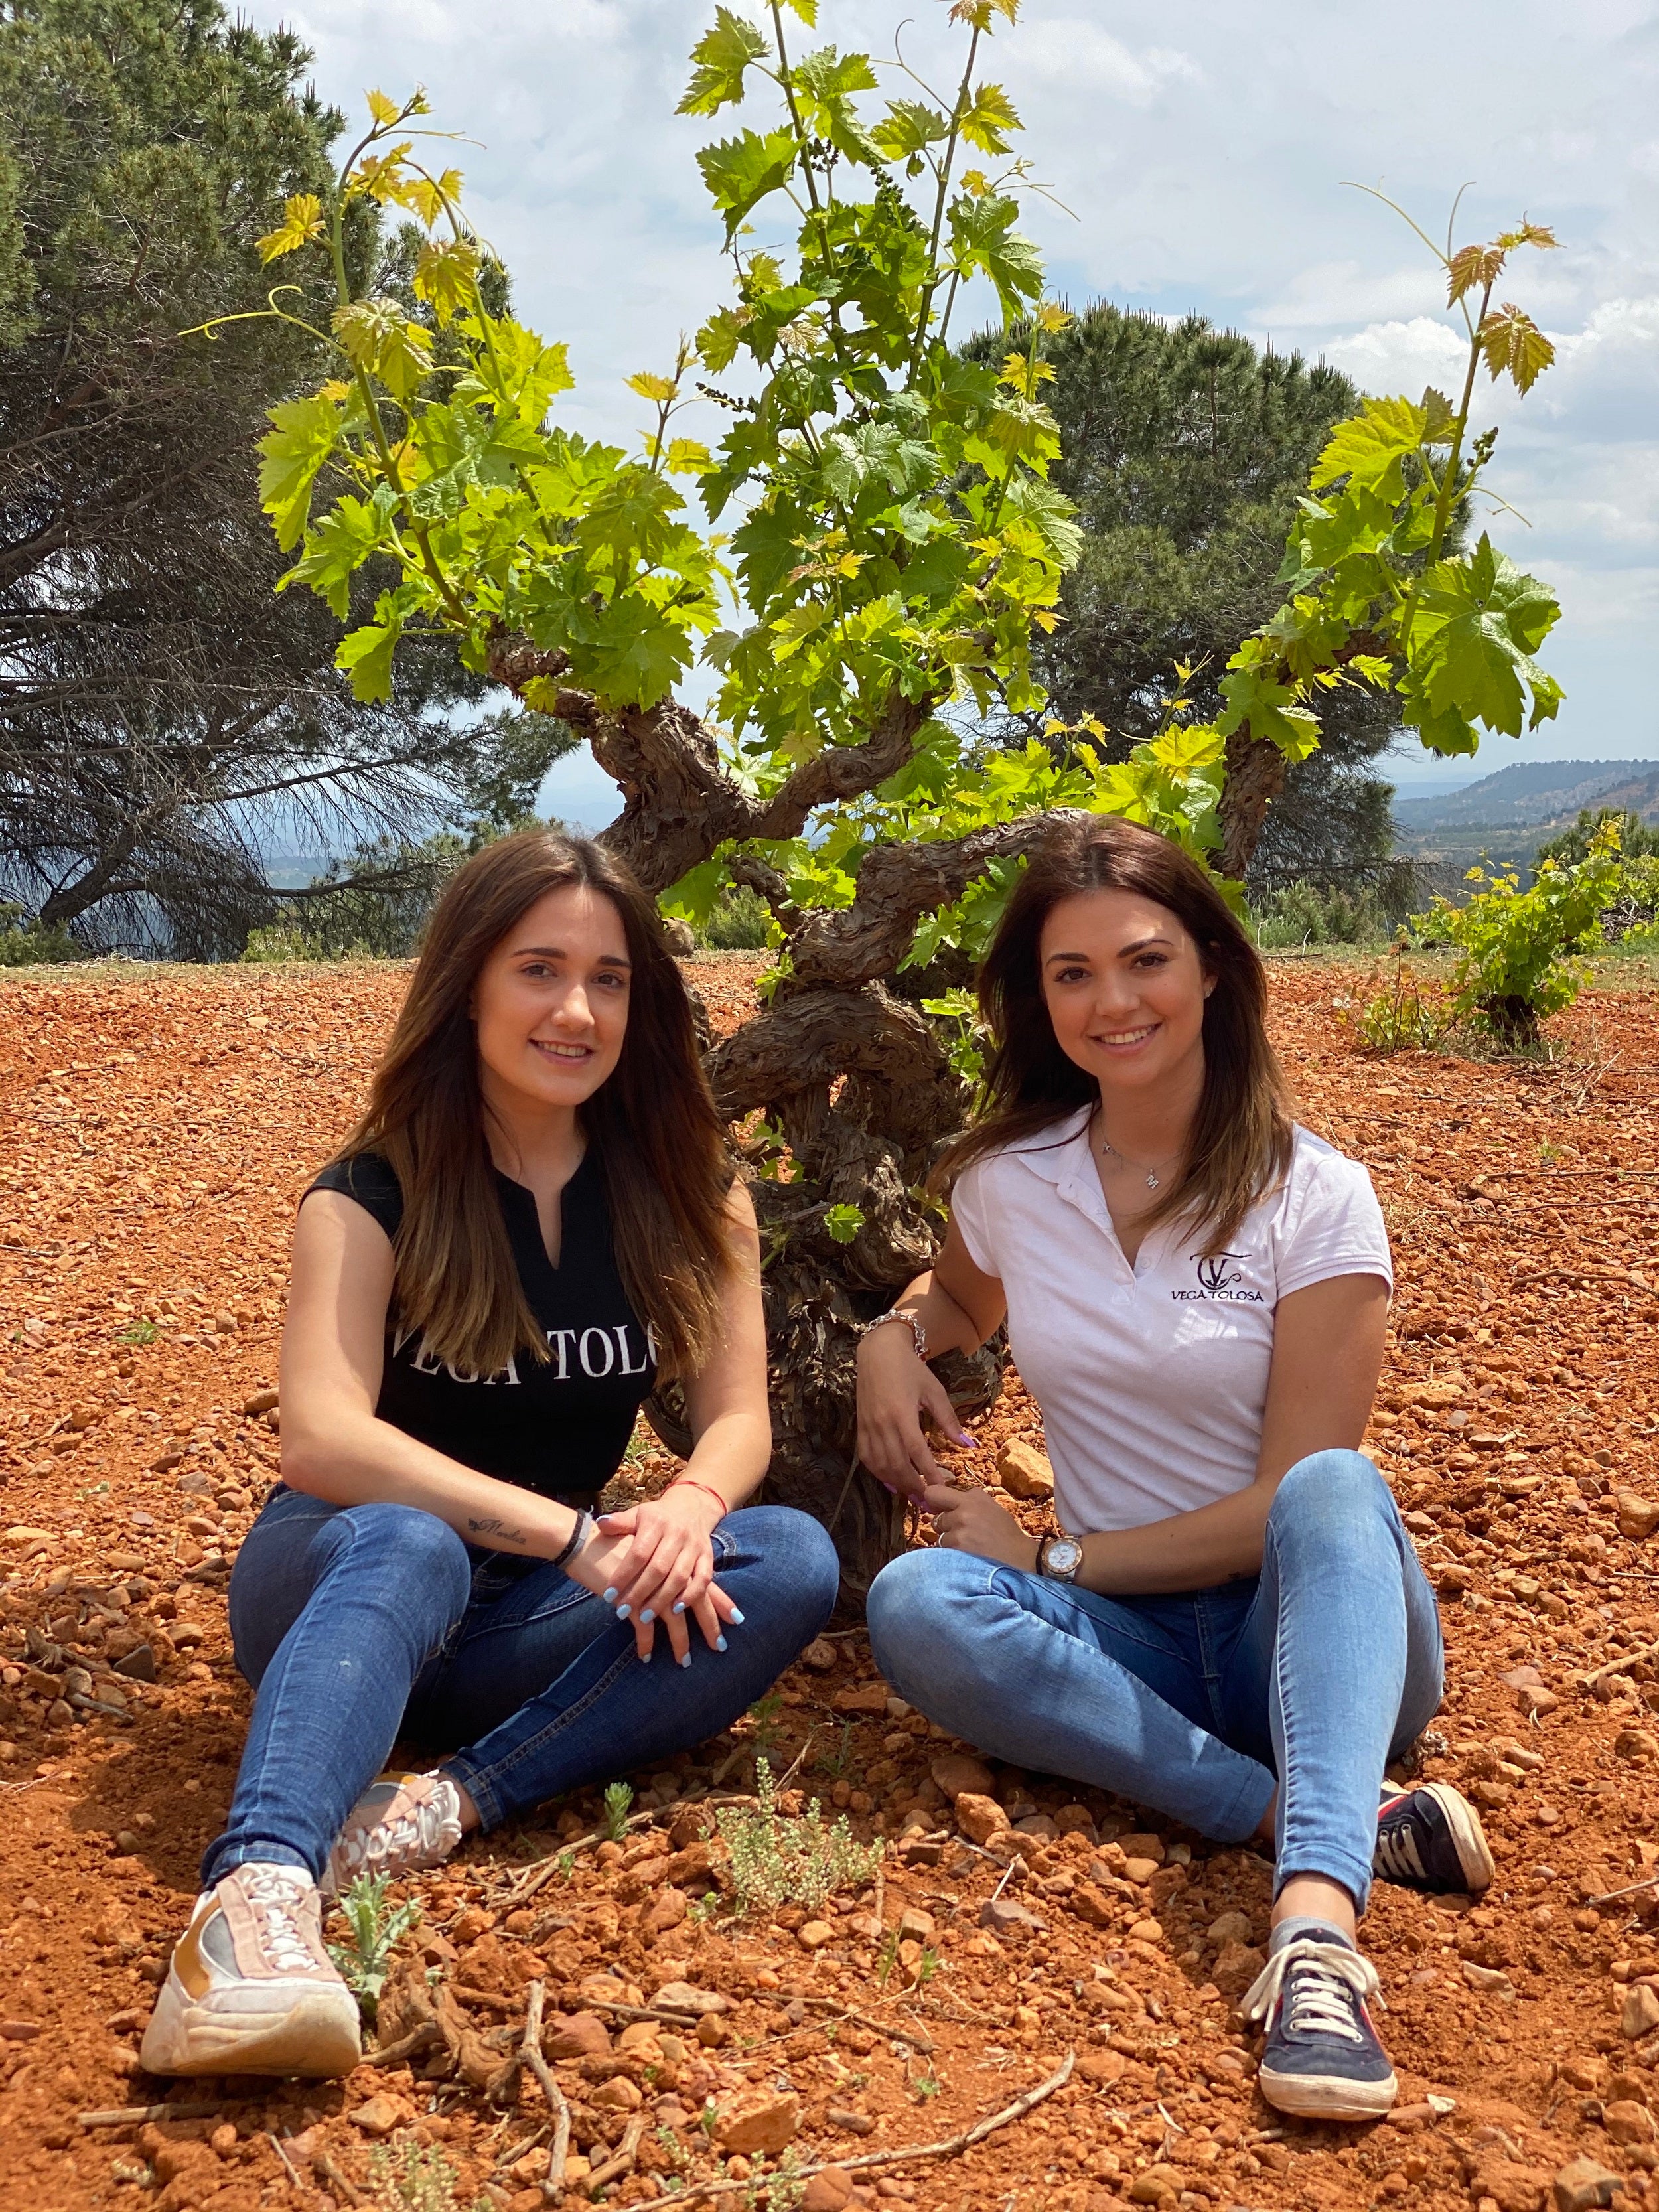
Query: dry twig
[627,2152]
[137,2116]
[407,2047]
[1618,1665]
[322,2163]
[949,2148]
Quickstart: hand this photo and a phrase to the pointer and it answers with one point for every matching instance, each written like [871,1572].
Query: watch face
[1063,1556]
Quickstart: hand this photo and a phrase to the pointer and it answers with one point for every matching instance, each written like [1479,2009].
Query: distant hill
[1545,795]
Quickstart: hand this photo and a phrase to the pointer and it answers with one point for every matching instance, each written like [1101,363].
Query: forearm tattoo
[496,1532]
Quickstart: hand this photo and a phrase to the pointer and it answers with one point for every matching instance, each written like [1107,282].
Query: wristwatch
[1060,1557]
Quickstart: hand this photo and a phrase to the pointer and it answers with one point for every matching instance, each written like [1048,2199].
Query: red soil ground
[162,1124]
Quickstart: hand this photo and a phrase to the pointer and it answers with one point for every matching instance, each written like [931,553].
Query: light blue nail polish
[719,1644]
[737,1618]
[647,1615]
[610,1595]
[644,1658]
[679,1605]
[686,1661]
[623,1612]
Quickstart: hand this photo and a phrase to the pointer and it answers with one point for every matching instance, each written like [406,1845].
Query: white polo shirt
[1152,1380]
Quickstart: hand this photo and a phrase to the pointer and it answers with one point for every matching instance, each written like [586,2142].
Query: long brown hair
[662,1150]
[1241,1134]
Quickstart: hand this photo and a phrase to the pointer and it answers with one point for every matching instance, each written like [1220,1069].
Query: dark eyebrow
[1123,951]
[558,952]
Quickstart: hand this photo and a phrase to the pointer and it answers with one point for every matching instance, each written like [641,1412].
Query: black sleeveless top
[559,1426]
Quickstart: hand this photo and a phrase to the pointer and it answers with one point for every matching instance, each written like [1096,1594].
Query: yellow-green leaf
[987,118]
[302,221]
[382,109]
[290,455]
[653,388]
[1514,346]
[446,274]
[379,338]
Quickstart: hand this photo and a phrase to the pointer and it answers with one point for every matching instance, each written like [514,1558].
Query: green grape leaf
[908,127]
[1369,447]
[381,339]
[719,60]
[843,1223]
[987,118]
[1482,619]
[740,172]
[365,654]
[630,653]
[513,369]
[446,275]
[291,454]
[1049,512]
[982,237]
[338,546]
[717,341]
[830,80]
[302,221]
[630,516]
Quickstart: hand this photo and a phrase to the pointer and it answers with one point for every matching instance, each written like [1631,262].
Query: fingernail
[686,1661]
[737,1618]
[610,1595]
[720,1645]
[646,1615]
[644,1658]
[679,1605]
[962,1438]
[623,1612]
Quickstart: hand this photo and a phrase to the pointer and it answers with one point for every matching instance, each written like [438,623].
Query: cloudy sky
[1202,148]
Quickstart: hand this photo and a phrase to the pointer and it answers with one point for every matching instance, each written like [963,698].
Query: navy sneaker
[1431,1839]
[1322,2060]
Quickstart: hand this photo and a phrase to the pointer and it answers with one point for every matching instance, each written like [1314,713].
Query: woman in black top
[534,1218]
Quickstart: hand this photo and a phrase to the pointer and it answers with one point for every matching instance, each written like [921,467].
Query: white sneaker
[251,1989]
[401,1823]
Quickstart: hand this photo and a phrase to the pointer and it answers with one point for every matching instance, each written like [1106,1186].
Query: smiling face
[1125,987]
[550,1003]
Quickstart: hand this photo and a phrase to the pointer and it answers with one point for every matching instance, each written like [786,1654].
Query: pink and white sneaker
[401,1823]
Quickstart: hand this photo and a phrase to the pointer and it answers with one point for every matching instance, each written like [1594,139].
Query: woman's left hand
[666,1576]
[972,1521]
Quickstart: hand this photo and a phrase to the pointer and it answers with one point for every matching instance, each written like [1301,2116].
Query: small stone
[1236,1966]
[262,1401]
[1231,1927]
[1637,1516]
[667,1909]
[685,1996]
[979,1818]
[868,1699]
[1024,1471]
[1093,1905]
[853,2124]
[1628,2122]
[1585,2186]
[1639,2014]
[1140,1846]
[1490,1981]
[379,2115]
[1146,1931]
[955,1773]
[578,2035]
[1157,2184]
[1139,1871]
[618,2095]
[768,2121]
[1640,1745]
[1004,1917]
[915,1926]
[814,1935]
[222,2141]
[139,1664]
[828,2190]
[820,1656]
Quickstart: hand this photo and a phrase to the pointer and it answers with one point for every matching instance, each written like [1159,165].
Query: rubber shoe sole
[315,2034]
[1327,2096]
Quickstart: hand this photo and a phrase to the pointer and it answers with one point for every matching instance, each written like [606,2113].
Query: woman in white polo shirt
[1233,1626]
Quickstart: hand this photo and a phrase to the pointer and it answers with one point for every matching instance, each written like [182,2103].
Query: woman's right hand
[607,1562]
[896,1389]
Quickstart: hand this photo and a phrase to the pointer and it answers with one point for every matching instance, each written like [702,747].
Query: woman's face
[550,1003]
[1125,989]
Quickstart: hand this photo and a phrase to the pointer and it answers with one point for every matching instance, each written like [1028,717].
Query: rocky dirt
[162,1124]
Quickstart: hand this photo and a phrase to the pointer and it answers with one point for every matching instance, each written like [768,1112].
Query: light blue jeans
[359,1624]
[1311,1675]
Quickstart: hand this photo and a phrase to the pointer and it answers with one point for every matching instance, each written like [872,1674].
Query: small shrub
[26,944]
[736,922]
[618,1797]
[411,2177]
[778,1861]
[1516,946]
[1407,1017]
[1309,913]
[376,1931]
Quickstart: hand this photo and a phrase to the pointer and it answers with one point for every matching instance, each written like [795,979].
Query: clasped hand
[972,1521]
[655,1564]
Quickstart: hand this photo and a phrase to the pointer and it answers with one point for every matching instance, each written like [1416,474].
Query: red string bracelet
[690,1482]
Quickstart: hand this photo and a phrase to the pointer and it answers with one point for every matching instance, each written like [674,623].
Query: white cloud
[1088,61]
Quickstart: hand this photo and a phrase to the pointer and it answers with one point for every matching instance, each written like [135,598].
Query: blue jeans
[359,1624]
[1311,1675]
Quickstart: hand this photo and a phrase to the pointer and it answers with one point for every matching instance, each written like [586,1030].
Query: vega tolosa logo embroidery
[1219,1281]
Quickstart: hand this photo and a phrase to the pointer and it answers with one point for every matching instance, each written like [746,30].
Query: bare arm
[959,1307]
[1327,1354]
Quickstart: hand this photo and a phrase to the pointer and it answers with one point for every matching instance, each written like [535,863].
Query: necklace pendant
[1152,1179]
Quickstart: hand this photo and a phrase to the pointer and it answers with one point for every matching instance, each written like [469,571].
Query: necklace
[1109,1151]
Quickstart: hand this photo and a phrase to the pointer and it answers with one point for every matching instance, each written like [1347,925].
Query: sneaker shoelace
[419,1827]
[1397,1852]
[1324,1980]
[277,1903]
